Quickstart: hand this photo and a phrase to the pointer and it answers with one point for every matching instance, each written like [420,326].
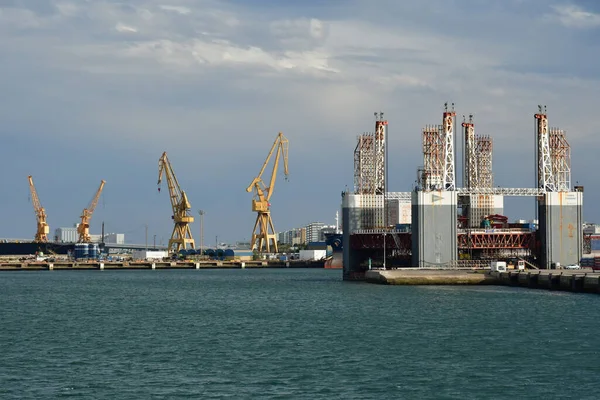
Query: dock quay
[582,281]
[418,276]
[154,265]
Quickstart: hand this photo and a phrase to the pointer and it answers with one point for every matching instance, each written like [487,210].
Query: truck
[499,266]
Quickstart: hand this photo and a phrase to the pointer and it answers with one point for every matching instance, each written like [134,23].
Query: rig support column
[434,228]
[560,228]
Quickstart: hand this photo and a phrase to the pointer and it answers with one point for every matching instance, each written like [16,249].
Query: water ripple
[279,334]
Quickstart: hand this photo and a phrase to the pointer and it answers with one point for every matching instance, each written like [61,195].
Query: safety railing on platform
[494,230]
[376,231]
[471,264]
[502,191]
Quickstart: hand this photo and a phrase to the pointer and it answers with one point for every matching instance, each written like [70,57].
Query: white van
[499,266]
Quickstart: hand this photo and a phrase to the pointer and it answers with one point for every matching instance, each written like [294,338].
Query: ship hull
[335,261]
[31,248]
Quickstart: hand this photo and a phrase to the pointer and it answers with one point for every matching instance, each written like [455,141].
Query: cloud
[124,28]
[177,9]
[573,16]
[212,82]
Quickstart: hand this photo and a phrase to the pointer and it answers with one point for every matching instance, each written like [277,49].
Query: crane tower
[545,174]
[438,172]
[448,132]
[264,231]
[83,229]
[42,226]
[369,159]
[182,234]
[471,179]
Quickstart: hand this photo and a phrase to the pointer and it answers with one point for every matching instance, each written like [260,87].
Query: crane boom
[262,195]
[182,234]
[83,229]
[42,226]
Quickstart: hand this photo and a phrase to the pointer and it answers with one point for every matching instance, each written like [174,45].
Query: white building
[299,237]
[282,238]
[293,237]
[149,254]
[313,232]
[96,238]
[114,238]
[66,235]
[70,235]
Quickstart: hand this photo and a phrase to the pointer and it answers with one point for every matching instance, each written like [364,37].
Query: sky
[99,89]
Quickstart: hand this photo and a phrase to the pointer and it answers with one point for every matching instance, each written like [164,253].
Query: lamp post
[154,242]
[384,249]
[201,213]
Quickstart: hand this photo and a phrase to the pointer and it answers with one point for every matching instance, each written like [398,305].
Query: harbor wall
[583,281]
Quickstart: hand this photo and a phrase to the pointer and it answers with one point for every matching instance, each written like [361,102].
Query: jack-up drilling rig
[41,236]
[182,234]
[83,229]
[262,196]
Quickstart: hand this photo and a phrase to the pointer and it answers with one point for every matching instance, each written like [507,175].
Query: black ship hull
[30,248]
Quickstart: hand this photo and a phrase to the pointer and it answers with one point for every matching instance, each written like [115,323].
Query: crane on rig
[261,236]
[41,236]
[83,229]
[182,234]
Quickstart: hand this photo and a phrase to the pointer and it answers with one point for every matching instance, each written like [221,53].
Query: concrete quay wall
[419,276]
[75,266]
[583,281]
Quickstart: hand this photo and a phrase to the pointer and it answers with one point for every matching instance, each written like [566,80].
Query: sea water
[289,333]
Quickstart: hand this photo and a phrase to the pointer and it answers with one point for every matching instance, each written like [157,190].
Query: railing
[458,264]
[476,231]
[407,196]
[398,196]
[502,191]
[376,231]
[381,231]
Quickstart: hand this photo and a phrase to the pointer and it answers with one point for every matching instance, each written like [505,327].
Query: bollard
[197,265]
[243,265]
[153,265]
[101,266]
[50,267]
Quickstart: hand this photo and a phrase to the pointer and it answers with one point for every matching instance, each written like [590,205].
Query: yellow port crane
[182,234]
[262,195]
[83,229]
[41,236]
